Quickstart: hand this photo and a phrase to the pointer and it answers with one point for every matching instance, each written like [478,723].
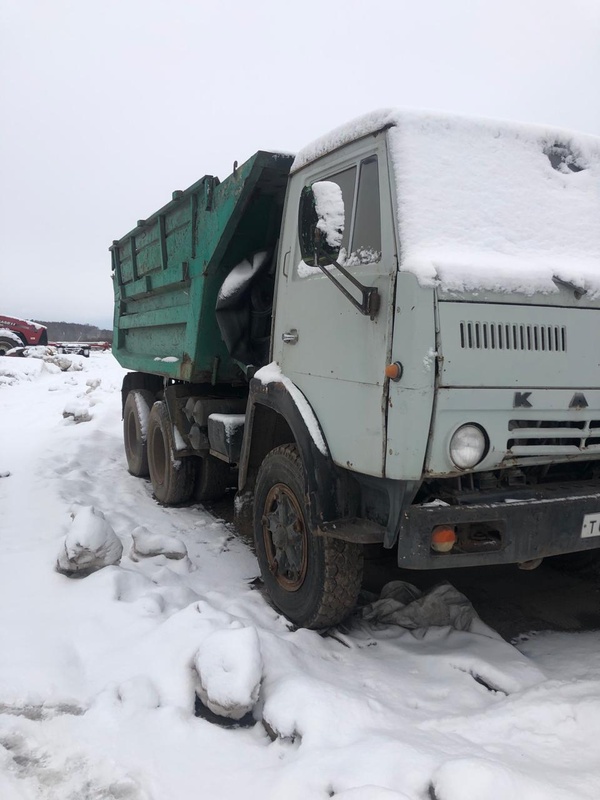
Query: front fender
[278,413]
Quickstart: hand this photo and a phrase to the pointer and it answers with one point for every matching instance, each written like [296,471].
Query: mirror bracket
[370,298]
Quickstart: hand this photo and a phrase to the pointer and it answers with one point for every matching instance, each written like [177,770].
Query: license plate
[591,526]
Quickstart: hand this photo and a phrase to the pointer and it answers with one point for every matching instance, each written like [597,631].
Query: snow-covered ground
[99,674]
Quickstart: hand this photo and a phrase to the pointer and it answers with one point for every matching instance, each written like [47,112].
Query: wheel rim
[285,538]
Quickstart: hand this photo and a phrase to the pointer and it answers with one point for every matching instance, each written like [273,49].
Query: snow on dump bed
[484,204]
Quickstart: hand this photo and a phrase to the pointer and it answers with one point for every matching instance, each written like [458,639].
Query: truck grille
[559,437]
[511,336]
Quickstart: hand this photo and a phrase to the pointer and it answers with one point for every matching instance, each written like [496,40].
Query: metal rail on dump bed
[176,261]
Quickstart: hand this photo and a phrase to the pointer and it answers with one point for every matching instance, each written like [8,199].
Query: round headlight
[468,446]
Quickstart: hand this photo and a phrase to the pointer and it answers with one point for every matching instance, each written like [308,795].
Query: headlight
[468,446]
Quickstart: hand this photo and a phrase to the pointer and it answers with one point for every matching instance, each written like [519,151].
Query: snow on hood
[488,205]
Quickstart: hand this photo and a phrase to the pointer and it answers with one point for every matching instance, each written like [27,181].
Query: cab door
[335,354]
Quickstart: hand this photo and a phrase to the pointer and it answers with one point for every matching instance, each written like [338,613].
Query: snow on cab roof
[485,204]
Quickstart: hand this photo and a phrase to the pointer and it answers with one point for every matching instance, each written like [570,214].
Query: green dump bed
[168,270]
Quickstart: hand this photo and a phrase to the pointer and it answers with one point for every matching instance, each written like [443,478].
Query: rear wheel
[135,430]
[8,340]
[313,580]
[172,478]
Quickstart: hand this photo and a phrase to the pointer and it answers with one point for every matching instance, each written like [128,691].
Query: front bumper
[547,521]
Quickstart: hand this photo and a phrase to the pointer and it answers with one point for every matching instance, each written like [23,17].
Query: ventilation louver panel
[507,336]
[542,437]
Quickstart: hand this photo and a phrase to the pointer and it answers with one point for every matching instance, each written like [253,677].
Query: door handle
[290,337]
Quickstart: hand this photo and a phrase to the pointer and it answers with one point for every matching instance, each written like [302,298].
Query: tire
[9,340]
[213,478]
[135,430]
[313,580]
[172,479]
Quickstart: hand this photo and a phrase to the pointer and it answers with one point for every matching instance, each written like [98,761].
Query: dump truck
[391,339]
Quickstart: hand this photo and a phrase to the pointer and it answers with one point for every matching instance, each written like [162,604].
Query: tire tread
[343,563]
[137,463]
[179,484]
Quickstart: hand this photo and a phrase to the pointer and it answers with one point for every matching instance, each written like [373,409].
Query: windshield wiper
[578,291]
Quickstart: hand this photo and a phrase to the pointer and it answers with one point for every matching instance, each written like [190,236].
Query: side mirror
[321,223]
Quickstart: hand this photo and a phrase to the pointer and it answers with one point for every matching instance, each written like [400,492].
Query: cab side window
[361,242]
[346,180]
[366,234]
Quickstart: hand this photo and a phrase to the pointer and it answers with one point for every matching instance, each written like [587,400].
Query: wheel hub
[285,537]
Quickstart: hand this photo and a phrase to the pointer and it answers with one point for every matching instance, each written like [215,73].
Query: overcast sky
[110,105]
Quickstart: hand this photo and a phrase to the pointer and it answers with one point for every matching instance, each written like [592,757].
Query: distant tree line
[74,332]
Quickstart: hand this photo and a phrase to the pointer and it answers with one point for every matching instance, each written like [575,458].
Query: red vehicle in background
[15,332]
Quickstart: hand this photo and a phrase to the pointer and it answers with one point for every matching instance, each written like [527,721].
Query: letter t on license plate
[591,526]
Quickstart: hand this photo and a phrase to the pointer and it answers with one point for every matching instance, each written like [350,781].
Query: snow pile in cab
[489,205]
[329,205]
[241,274]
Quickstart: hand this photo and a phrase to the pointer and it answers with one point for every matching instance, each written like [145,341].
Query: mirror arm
[370,297]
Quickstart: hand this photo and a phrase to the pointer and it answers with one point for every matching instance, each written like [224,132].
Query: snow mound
[147,544]
[78,411]
[229,666]
[476,778]
[370,793]
[90,544]
[92,384]
[139,692]
[38,351]
[65,364]
[16,370]
[48,356]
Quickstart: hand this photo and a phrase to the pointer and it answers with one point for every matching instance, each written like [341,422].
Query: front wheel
[314,580]
[172,478]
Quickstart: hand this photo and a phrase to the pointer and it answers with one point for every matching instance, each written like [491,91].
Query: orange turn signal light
[443,538]
[394,371]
